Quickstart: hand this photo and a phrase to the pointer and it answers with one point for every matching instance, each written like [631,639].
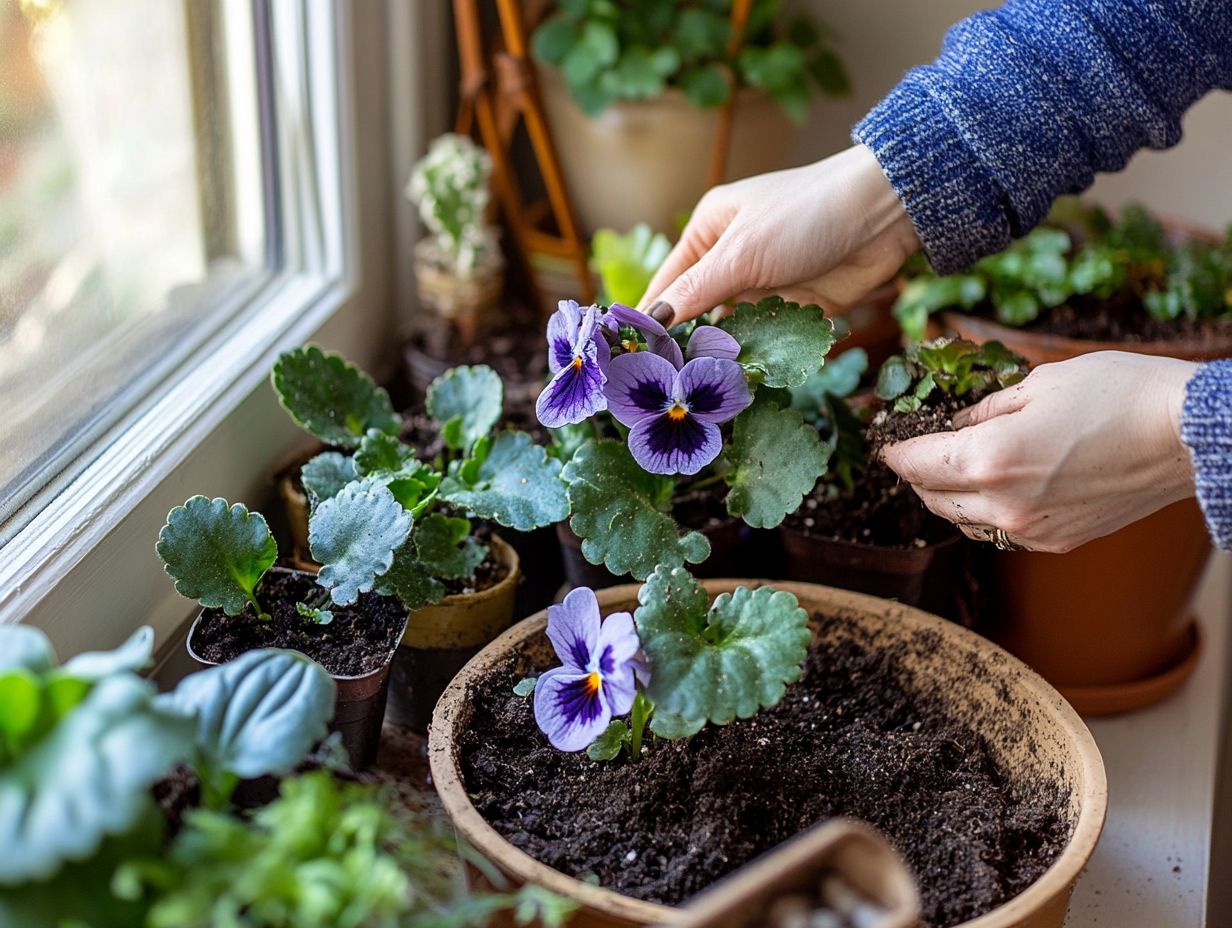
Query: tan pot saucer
[1116,698]
[1027,723]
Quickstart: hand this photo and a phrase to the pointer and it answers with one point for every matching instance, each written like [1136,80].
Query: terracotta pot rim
[343,678]
[509,558]
[867,546]
[1090,781]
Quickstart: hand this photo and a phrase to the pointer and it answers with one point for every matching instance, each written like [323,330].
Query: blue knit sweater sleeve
[1206,427]
[1030,101]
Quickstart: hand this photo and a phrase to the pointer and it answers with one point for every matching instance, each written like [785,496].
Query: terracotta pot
[359,709]
[649,160]
[1107,623]
[849,851]
[440,639]
[1030,729]
[928,577]
[726,554]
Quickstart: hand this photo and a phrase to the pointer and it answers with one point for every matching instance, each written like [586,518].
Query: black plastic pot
[930,577]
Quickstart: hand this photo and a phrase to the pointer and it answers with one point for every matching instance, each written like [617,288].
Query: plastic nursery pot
[440,639]
[295,502]
[359,709]
[848,851]
[647,160]
[726,555]
[927,577]
[1028,727]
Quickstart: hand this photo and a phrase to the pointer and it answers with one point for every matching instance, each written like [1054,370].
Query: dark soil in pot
[356,642]
[1123,319]
[852,738]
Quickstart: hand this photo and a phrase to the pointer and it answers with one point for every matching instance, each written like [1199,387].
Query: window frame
[82,567]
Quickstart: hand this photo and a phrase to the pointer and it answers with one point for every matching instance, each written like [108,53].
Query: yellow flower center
[630,345]
[677,412]
[593,682]
[577,363]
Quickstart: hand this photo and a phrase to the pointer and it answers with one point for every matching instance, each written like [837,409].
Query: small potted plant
[1082,283]
[457,585]
[629,748]
[642,418]
[459,268]
[635,93]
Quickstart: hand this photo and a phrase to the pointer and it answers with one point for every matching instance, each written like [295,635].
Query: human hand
[826,233]
[1078,449]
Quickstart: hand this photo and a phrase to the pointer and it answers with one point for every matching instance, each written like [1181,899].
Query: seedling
[450,188]
[951,367]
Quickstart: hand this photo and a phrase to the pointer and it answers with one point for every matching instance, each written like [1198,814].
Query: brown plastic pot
[1031,730]
[295,502]
[726,554]
[1107,623]
[927,577]
[440,639]
[849,851]
[359,708]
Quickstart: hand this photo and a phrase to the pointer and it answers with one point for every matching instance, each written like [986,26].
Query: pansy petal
[709,341]
[562,329]
[571,708]
[574,395]
[620,689]
[714,389]
[657,339]
[573,629]
[638,385]
[662,445]
[618,642]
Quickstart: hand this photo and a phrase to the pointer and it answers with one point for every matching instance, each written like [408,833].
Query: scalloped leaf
[354,536]
[387,458]
[88,778]
[467,401]
[517,485]
[410,581]
[326,474]
[781,341]
[331,398]
[776,459]
[217,553]
[446,548]
[616,514]
[258,714]
[721,662]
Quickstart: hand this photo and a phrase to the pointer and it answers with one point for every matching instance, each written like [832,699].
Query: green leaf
[21,695]
[354,536]
[706,86]
[553,40]
[87,778]
[616,513]
[217,554]
[894,378]
[326,474]
[22,646]
[525,686]
[258,714]
[410,581]
[610,743]
[626,263]
[701,34]
[467,402]
[723,662]
[839,376]
[332,399]
[135,654]
[674,727]
[776,459]
[595,50]
[1018,308]
[784,342]
[446,547]
[517,485]
[313,614]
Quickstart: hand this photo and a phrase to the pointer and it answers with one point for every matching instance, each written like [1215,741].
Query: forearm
[1030,101]
[1206,427]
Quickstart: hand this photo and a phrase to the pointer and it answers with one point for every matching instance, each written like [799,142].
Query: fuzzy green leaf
[467,402]
[673,727]
[332,399]
[446,547]
[134,655]
[410,581]
[326,474]
[392,463]
[517,485]
[525,686]
[313,614]
[783,342]
[839,376]
[610,743]
[216,553]
[722,662]
[616,513]
[776,460]
[354,536]
[894,378]
[25,647]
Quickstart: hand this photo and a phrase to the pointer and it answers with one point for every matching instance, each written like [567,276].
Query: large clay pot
[1107,623]
[649,160]
[1028,726]
[440,639]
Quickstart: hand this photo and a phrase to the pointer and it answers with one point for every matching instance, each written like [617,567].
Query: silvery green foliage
[449,187]
[331,398]
[354,535]
[467,402]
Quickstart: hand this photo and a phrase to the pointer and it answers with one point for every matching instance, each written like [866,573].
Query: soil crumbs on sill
[849,739]
[356,642]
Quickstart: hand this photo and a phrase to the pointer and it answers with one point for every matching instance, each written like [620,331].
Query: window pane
[129,210]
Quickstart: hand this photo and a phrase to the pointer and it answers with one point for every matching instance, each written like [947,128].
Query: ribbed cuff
[1206,427]
[957,208]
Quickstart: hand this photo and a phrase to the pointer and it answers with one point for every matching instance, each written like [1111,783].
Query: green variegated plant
[387,516]
[946,366]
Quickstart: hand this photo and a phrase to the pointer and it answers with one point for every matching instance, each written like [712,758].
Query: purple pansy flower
[707,341]
[578,357]
[575,702]
[674,415]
